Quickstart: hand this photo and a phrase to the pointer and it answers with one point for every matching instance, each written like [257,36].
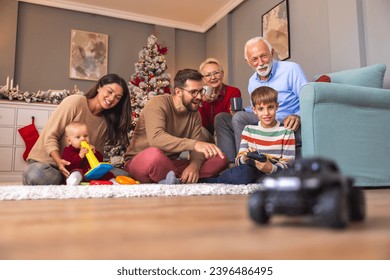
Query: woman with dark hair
[105,109]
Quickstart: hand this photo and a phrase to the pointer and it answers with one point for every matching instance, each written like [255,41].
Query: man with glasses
[284,76]
[167,126]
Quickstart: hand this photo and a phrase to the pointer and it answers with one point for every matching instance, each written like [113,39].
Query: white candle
[17,88]
[7,82]
[12,84]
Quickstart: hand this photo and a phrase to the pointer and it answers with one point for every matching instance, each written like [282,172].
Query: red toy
[100,182]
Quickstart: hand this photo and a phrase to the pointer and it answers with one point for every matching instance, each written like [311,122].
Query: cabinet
[14,115]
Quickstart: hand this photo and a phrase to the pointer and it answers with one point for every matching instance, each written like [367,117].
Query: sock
[29,135]
[170,179]
[74,179]
[113,180]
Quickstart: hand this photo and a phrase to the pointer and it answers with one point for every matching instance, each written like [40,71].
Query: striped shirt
[277,143]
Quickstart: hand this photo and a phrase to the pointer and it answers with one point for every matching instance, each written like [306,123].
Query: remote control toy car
[255,156]
[311,186]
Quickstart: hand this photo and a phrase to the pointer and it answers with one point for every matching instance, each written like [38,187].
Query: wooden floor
[197,227]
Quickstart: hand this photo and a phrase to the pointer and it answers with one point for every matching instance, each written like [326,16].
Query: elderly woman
[218,100]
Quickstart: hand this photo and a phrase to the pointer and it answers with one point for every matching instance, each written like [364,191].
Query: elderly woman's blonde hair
[210,60]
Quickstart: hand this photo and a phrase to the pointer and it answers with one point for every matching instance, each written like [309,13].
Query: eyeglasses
[215,74]
[194,92]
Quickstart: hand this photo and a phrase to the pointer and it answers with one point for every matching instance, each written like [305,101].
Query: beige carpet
[19,192]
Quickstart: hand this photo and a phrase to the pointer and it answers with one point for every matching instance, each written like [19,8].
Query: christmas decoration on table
[50,96]
[76,90]
[150,79]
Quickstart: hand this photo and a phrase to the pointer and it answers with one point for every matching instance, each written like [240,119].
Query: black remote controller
[255,156]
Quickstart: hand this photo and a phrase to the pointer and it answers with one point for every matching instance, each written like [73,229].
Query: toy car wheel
[257,210]
[331,209]
[357,205]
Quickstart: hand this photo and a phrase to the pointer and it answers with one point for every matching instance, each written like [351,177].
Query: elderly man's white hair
[254,41]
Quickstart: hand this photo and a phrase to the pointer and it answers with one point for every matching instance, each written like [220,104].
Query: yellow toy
[98,169]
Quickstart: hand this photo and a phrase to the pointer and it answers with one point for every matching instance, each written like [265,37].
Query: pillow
[370,76]
[323,79]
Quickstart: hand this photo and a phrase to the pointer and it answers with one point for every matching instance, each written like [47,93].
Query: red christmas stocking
[30,135]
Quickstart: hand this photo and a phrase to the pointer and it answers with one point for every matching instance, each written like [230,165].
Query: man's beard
[264,73]
[189,106]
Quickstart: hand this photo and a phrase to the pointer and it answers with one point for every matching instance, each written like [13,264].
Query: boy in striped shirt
[269,137]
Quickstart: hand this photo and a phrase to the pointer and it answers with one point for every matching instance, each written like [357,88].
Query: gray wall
[190,49]
[8,27]
[218,42]
[376,28]
[38,56]
[325,36]
[42,58]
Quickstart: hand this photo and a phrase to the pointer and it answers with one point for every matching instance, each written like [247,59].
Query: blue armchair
[349,124]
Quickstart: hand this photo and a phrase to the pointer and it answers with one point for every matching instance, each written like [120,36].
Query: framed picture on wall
[88,55]
[275,28]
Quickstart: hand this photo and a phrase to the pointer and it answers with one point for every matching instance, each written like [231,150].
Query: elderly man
[284,76]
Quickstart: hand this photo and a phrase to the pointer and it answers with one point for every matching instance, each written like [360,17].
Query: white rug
[17,192]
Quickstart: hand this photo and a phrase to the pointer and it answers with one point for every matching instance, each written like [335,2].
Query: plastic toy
[312,186]
[124,180]
[98,169]
[100,182]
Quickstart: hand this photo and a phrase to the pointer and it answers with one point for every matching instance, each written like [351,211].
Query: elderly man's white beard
[266,72]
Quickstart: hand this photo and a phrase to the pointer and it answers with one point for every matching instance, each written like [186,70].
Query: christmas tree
[150,79]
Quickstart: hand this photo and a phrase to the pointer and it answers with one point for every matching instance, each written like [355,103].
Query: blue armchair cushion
[348,124]
[370,76]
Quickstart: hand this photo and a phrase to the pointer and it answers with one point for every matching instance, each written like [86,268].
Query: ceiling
[193,15]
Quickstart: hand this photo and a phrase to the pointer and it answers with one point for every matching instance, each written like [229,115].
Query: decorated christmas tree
[150,79]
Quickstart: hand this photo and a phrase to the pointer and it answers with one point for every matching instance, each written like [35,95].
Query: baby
[75,133]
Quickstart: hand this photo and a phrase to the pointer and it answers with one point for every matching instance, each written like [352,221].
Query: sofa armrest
[346,94]
[348,124]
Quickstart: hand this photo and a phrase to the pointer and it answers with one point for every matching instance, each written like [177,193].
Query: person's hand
[265,167]
[251,149]
[92,148]
[83,152]
[231,111]
[61,166]
[190,174]
[61,163]
[209,150]
[244,153]
[292,122]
